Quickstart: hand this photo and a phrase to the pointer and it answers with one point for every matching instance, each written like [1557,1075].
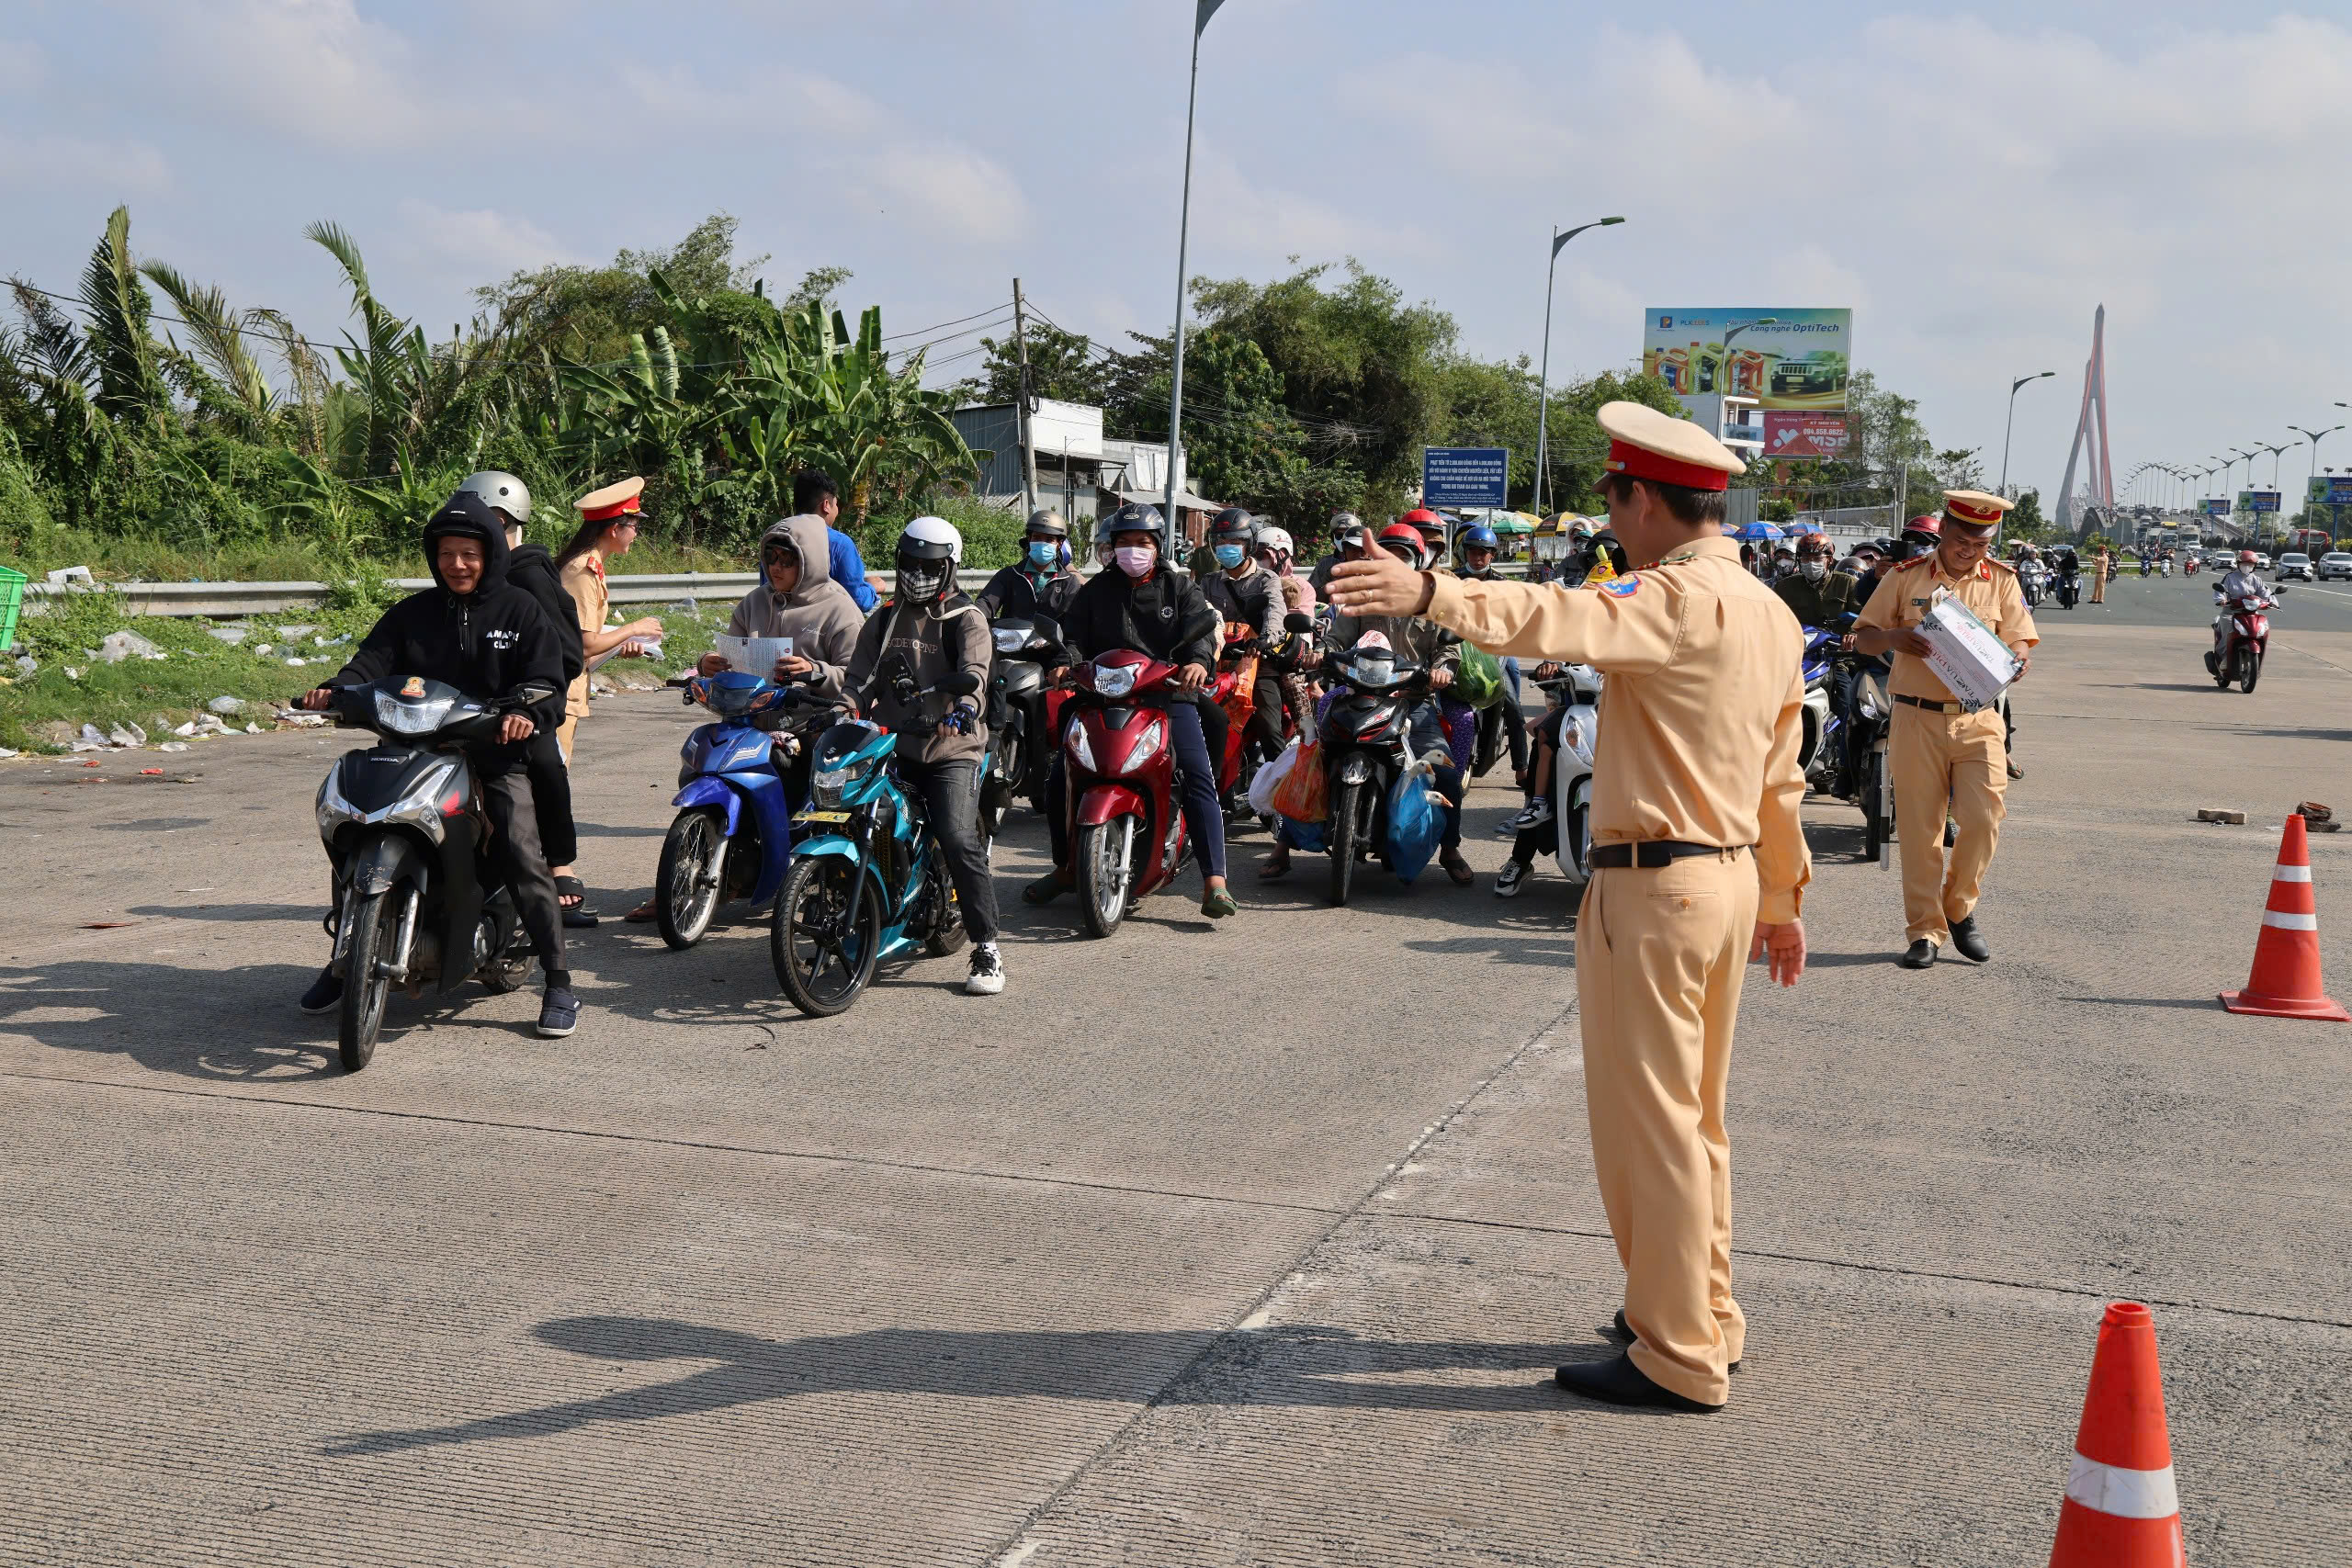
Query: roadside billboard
[2257,501]
[1805,435]
[1465,476]
[2330,490]
[2216,506]
[1796,365]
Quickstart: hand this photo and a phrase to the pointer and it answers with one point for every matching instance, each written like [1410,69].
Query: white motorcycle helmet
[502,490]
[929,549]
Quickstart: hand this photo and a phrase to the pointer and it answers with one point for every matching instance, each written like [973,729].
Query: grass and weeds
[71,686]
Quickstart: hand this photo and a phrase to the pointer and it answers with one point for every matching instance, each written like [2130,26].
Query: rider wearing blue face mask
[1041,583]
[1245,594]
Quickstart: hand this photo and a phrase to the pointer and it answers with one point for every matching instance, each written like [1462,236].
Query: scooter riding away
[1126,831]
[2240,638]
[1579,687]
[418,895]
[868,884]
[732,835]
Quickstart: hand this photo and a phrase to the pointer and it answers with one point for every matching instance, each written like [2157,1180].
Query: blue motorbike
[732,835]
[868,884]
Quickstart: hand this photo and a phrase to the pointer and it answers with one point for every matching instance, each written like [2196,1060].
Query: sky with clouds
[1973,183]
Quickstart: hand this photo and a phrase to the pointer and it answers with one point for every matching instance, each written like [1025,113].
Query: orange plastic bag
[1304,795]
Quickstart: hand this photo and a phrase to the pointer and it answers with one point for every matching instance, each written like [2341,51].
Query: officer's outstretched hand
[1782,947]
[1378,585]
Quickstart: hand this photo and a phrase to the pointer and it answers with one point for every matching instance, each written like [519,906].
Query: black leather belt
[1652,854]
[1930,705]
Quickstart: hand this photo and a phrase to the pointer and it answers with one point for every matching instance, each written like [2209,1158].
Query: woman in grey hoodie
[800,602]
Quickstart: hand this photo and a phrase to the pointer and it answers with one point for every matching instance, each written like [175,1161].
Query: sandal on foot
[1218,903]
[641,915]
[571,897]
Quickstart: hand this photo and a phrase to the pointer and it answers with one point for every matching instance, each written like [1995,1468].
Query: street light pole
[2314,438]
[1203,12]
[2010,428]
[1543,385]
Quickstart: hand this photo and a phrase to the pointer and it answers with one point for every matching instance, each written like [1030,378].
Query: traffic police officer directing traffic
[1939,754]
[1699,864]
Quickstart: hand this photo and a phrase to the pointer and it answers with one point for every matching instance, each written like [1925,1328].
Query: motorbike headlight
[1080,753]
[420,806]
[1147,745]
[420,718]
[825,785]
[1114,681]
[1572,735]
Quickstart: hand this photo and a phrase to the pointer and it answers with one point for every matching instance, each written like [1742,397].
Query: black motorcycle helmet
[1915,543]
[1045,523]
[1135,517]
[1233,525]
[1605,543]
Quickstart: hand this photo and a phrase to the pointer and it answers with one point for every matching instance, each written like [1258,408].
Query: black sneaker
[559,1013]
[1511,879]
[326,993]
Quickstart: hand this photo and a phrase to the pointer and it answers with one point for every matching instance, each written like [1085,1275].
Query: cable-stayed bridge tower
[2090,431]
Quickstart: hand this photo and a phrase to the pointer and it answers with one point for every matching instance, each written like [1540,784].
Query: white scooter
[1580,688]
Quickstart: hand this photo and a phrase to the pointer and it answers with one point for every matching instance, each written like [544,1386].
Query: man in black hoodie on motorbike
[477,632]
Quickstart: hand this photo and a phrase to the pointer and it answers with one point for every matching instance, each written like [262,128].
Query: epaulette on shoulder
[2002,565]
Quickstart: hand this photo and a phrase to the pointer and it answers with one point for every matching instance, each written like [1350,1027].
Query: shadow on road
[148,1012]
[1303,1366]
[2199,1004]
[309,914]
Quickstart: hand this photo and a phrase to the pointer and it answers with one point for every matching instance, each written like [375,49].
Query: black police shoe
[1623,1332]
[1617,1382]
[1919,955]
[326,993]
[1970,945]
[559,1013]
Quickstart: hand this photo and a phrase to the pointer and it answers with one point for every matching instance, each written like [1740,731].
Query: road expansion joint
[1864,1265]
[1012,1550]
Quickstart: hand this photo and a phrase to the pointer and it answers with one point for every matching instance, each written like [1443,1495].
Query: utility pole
[1028,402]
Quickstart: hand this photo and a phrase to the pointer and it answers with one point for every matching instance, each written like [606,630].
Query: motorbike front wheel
[947,932]
[514,966]
[1347,804]
[2249,669]
[375,925]
[686,887]
[1104,862]
[820,965]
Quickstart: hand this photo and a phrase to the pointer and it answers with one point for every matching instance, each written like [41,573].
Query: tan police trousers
[1660,958]
[1939,761]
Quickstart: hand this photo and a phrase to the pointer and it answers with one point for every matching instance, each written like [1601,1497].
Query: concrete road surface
[1246,1245]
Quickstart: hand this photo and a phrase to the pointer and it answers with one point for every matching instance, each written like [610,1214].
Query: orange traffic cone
[2121,1510]
[2285,983]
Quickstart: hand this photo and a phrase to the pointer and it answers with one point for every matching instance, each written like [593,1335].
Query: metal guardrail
[231,601]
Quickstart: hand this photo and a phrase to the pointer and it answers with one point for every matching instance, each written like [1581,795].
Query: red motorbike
[2241,636]
[1126,829]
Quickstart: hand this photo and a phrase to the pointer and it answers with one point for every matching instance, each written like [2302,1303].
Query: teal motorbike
[867,884]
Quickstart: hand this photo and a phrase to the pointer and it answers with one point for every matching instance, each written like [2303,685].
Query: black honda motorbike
[418,896]
[1367,745]
[1021,738]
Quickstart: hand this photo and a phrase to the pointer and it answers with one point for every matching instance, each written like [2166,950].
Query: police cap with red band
[613,500]
[1647,444]
[1974,514]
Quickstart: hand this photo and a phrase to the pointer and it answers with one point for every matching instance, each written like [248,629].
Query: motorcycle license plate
[824,817]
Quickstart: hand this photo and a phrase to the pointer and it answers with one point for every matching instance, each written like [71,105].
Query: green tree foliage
[216,426]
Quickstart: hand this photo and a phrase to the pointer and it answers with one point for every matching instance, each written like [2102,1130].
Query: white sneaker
[1537,812]
[987,977]
[1511,879]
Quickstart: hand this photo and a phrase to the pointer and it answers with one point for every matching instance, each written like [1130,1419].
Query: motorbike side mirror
[1298,622]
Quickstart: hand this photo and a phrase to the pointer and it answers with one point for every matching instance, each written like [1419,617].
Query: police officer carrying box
[1941,755]
[1697,862]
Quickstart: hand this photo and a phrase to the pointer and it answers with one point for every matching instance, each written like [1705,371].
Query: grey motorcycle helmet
[502,490]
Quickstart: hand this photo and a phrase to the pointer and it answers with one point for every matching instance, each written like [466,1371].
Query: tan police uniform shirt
[1990,593]
[587,586]
[1702,710]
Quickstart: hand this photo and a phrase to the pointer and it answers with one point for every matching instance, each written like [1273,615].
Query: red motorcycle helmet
[1402,534]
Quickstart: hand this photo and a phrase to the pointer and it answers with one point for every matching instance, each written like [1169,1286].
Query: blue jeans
[1195,787]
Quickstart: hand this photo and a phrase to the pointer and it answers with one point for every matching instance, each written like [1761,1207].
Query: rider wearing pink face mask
[1141,603]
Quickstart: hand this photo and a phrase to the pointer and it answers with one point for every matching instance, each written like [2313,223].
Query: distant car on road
[2335,565]
[2294,566]
[2261,562]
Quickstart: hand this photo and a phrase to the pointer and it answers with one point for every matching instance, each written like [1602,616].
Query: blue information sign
[2332,490]
[2217,507]
[1465,476]
[2257,501]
